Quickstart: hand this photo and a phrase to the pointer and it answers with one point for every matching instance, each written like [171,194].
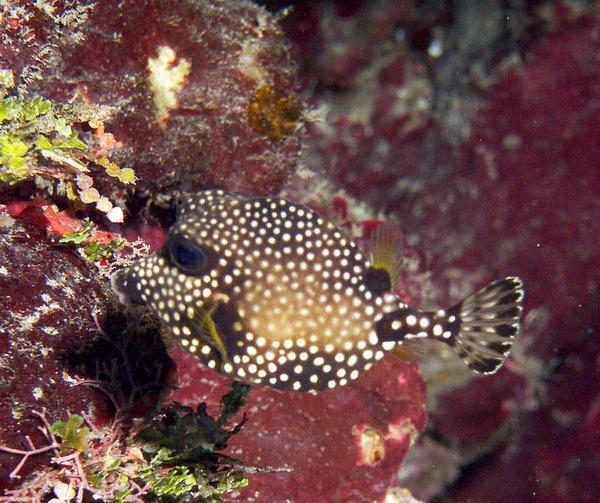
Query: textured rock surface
[180,82]
[47,294]
[482,141]
[531,159]
[322,439]
[50,343]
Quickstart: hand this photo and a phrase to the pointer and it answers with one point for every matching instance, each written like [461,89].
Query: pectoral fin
[206,329]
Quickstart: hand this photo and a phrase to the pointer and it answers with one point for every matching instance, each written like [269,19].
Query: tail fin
[488,324]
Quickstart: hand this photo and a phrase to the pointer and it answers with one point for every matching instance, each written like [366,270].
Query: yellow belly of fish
[303,310]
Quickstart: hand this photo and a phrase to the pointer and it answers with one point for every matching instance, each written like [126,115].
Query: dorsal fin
[386,250]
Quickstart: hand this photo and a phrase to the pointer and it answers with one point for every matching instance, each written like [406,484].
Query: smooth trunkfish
[268,292]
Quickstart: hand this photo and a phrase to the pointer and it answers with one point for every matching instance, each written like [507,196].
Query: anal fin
[410,350]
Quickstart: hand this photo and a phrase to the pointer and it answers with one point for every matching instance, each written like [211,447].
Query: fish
[269,292]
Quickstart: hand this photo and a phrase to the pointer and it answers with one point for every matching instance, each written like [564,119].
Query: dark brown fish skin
[268,292]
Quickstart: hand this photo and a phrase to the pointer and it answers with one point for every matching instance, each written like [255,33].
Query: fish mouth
[123,285]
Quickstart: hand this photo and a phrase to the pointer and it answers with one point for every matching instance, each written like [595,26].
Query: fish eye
[187,256]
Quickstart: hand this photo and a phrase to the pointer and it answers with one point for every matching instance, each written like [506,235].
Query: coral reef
[481,142]
[474,128]
[172,459]
[183,95]
[199,94]
[340,445]
[48,296]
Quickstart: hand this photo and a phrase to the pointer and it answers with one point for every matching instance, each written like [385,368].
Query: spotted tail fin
[488,324]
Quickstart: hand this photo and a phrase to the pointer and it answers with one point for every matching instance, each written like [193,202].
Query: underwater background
[474,126]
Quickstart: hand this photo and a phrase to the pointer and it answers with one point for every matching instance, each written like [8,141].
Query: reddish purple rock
[179,82]
[319,437]
[47,294]
[50,342]
[516,192]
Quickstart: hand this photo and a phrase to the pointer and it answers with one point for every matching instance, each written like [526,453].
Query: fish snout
[123,282]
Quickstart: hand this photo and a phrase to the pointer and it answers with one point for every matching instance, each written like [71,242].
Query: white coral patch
[166,79]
